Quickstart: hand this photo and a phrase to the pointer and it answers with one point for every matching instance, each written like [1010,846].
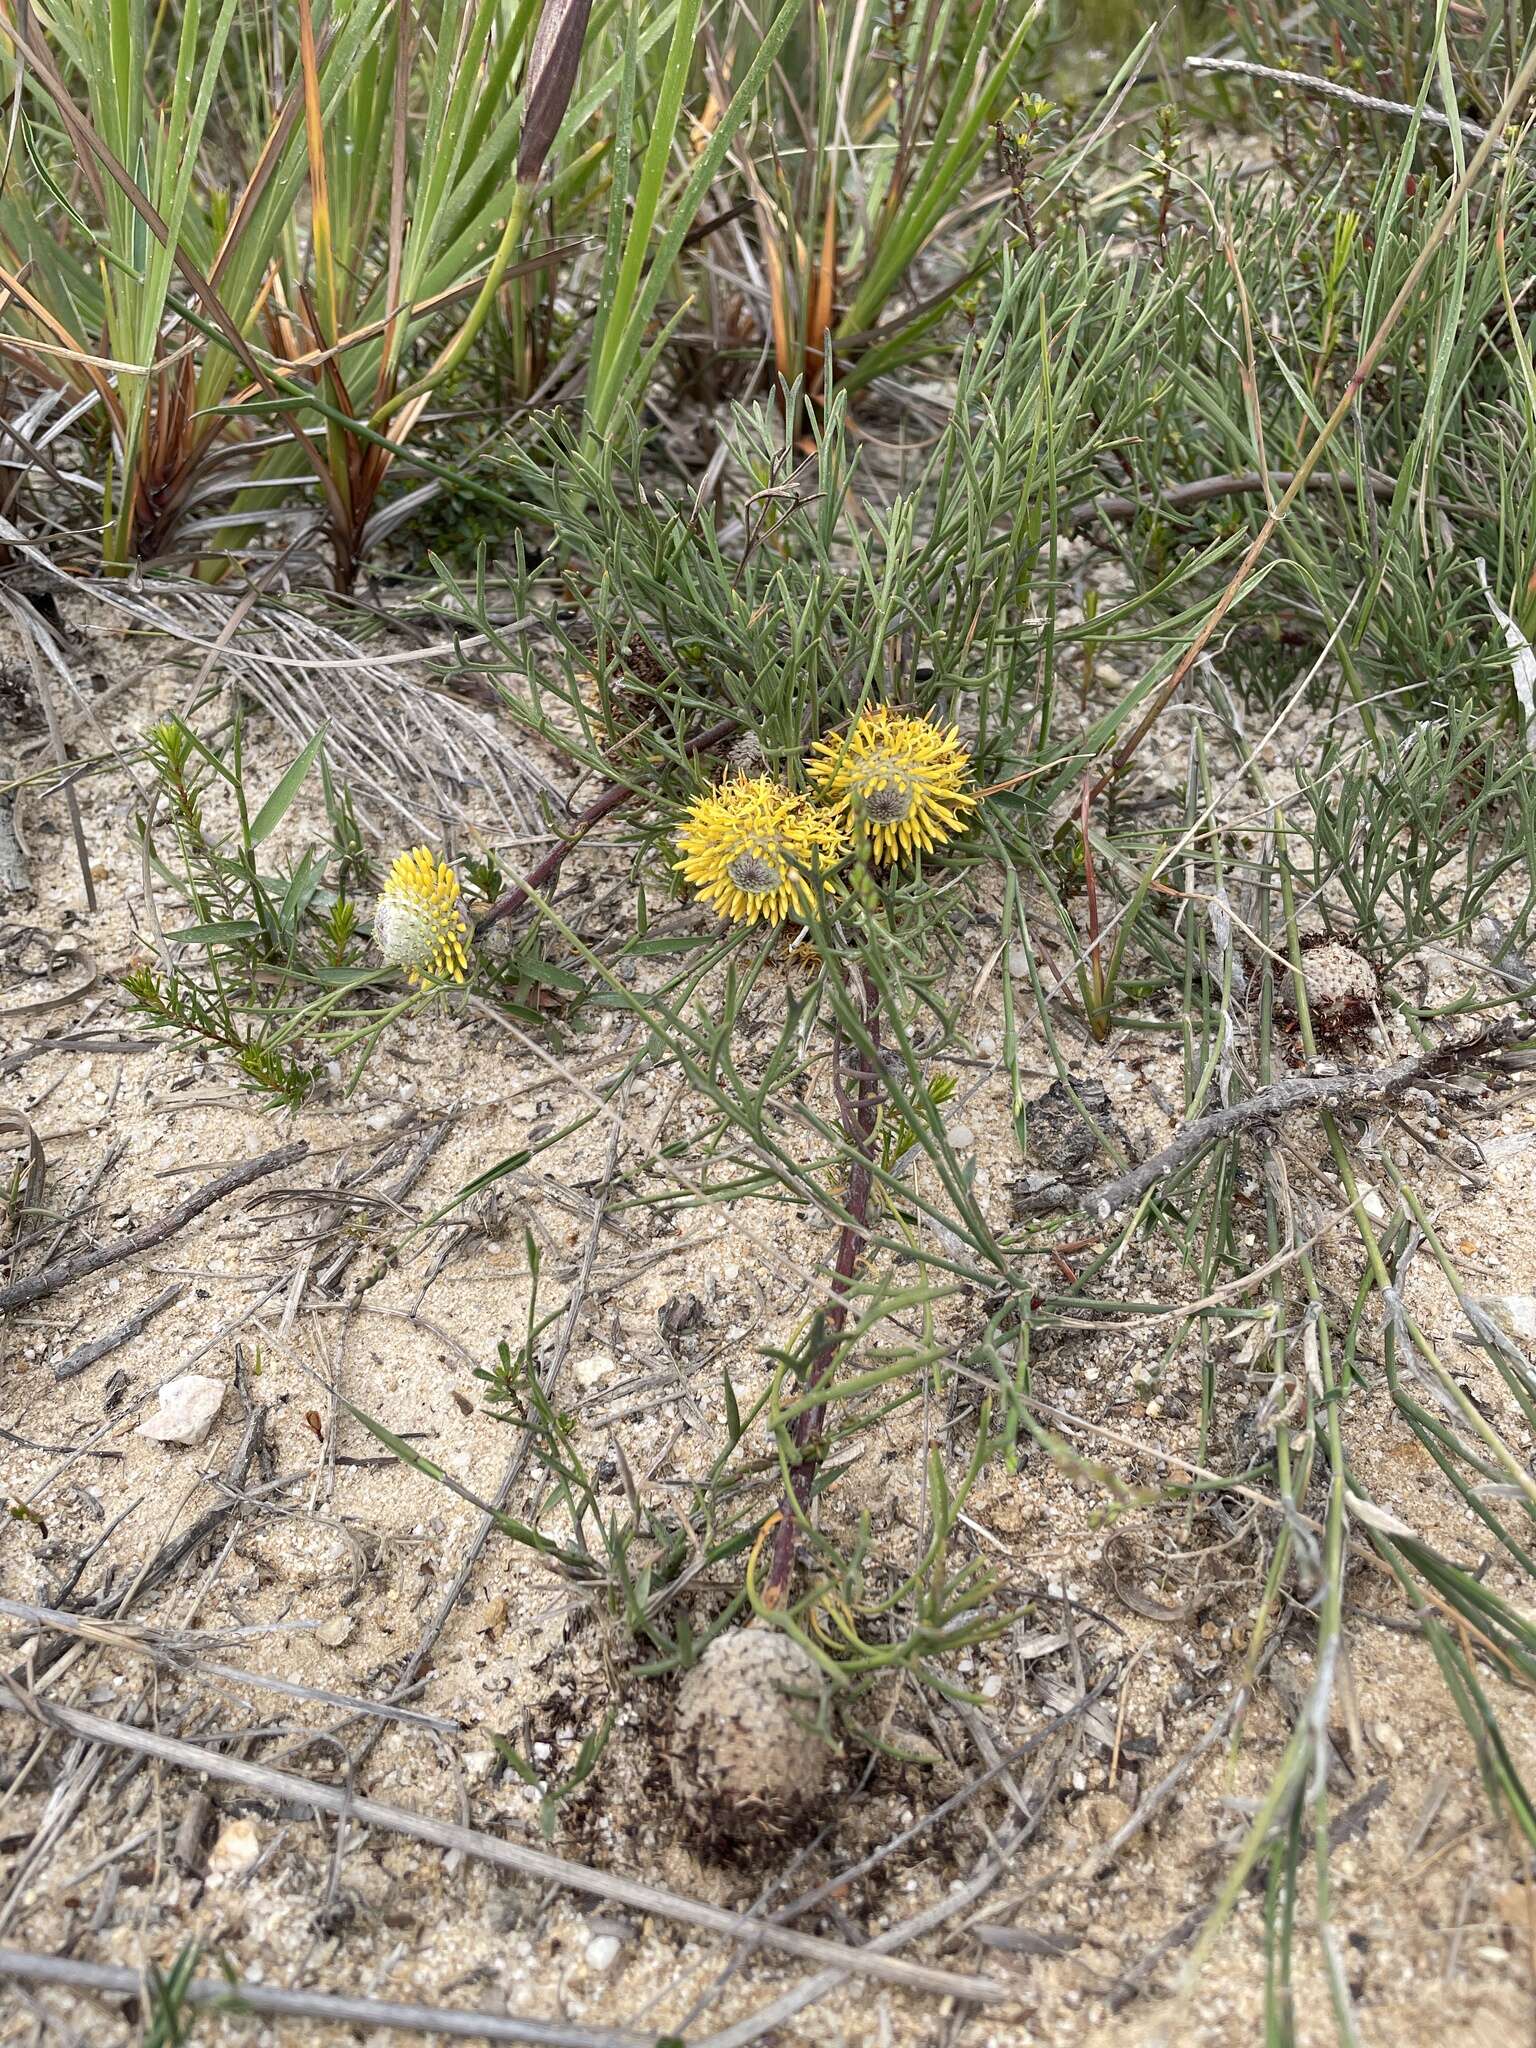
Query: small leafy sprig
[264,964]
[176,1004]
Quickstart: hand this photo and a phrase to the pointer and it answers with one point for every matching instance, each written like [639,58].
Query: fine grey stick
[1003,1763]
[535,1863]
[1202,490]
[80,1265]
[1094,1866]
[111,1340]
[319,2005]
[1303,1091]
[33,632]
[165,1647]
[811,1989]
[503,1496]
[1325,88]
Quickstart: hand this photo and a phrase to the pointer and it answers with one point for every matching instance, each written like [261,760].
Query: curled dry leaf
[1376,1517]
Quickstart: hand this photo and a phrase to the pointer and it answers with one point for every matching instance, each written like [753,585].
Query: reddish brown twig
[612,799]
[857,1113]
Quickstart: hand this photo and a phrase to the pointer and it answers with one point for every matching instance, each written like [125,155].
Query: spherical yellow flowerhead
[418,924]
[902,778]
[749,846]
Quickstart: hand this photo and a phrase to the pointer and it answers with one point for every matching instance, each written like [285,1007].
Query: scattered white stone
[589,1371]
[188,1405]
[961,1136]
[603,1951]
[237,1848]
[1515,1314]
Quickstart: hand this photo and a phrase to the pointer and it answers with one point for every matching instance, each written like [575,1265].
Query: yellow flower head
[748,847]
[902,778]
[418,924]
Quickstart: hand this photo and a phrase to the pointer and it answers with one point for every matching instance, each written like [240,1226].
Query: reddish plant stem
[858,1115]
[1095,954]
[612,799]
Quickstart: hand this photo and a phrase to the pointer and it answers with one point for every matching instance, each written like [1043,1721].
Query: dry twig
[770,2017]
[78,1975]
[612,799]
[1344,1090]
[318,1797]
[176,1651]
[1117,509]
[1328,89]
[112,1340]
[80,1265]
[575,1301]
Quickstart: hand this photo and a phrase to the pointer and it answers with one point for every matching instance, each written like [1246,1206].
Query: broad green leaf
[276,807]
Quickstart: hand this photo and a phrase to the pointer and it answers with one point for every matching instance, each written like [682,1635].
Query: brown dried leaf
[552,67]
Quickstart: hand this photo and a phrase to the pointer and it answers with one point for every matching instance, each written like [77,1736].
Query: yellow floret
[750,846]
[418,924]
[902,778]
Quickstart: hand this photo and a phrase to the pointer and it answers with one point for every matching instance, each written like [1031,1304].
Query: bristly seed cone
[748,1758]
[1342,989]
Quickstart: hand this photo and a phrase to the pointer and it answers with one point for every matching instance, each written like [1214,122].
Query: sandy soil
[327,1561]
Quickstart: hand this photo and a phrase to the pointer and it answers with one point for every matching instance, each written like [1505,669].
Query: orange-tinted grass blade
[823,288]
[66,344]
[319,184]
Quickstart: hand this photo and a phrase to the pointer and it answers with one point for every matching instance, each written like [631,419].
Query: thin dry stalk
[539,1864]
[75,1974]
